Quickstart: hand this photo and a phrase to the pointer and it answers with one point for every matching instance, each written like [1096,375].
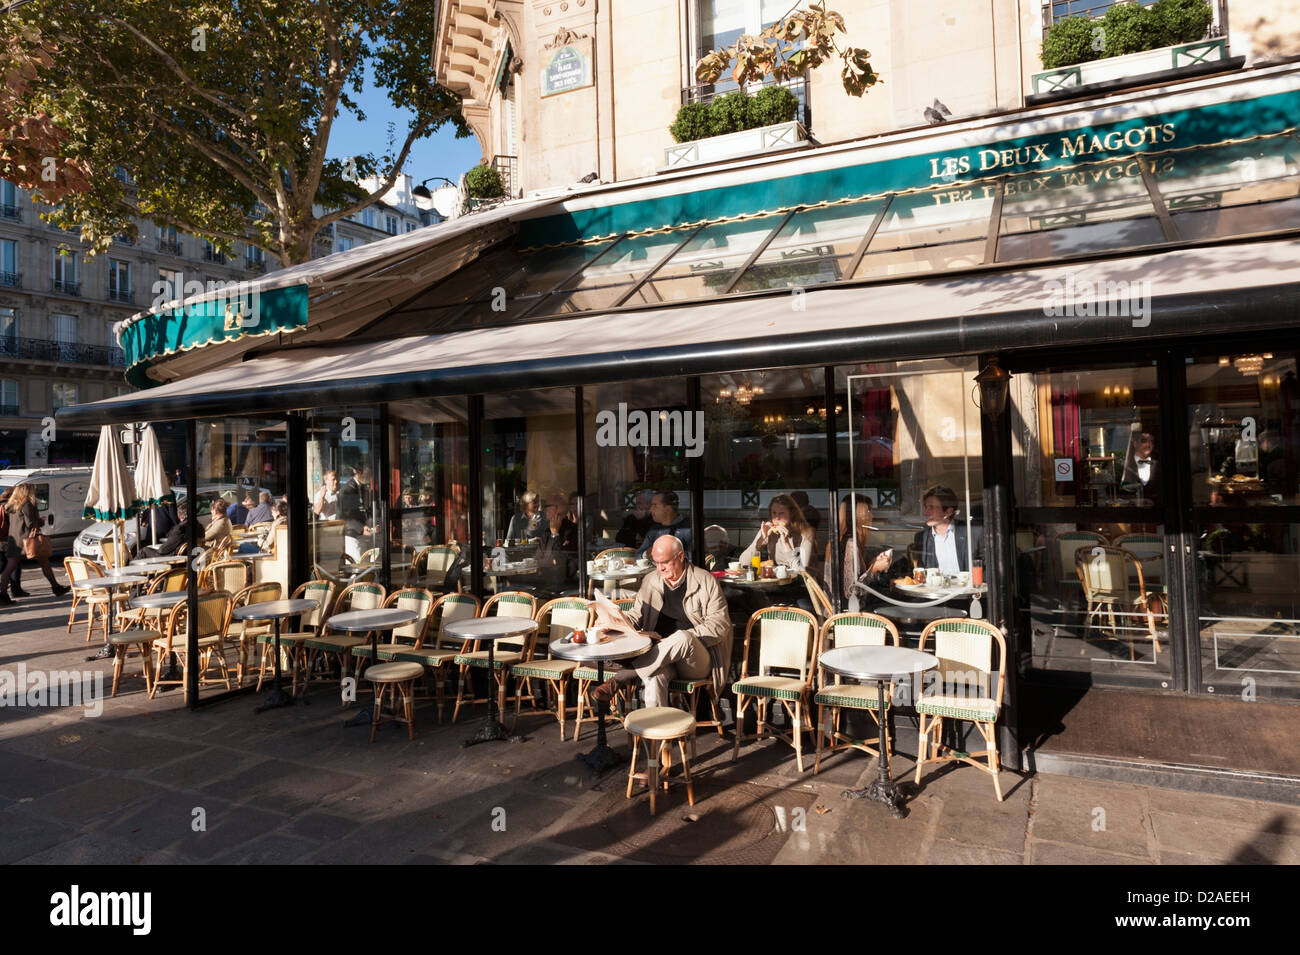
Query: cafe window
[1244,436]
[345,506]
[530,447]
[64,395]
[9,396]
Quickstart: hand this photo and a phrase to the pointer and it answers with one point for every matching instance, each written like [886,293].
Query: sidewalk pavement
[150,782]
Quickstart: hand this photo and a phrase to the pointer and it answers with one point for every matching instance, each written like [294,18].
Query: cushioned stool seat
[662,725]
[390,678]
[122,643]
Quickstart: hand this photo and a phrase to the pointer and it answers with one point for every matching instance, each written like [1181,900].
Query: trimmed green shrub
[1130,29]
[694,121]
[734,112]
[1182,21]
[1068,42]
[774,104]
[483,182]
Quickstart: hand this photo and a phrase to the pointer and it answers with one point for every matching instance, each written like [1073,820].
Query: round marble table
[619,648]
[110,581]
[489,630]
[370,621]
[884,665]
[275,610]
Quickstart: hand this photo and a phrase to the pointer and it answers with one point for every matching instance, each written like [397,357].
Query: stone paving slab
[296,785]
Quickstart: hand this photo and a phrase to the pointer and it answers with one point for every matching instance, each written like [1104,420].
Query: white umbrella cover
[111,496]
[152,484]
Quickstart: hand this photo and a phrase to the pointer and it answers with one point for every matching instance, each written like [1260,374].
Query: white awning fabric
[1171,294]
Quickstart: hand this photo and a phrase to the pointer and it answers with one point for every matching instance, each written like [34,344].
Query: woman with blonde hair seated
[785,534]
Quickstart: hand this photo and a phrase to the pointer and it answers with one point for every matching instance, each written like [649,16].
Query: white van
[60,498]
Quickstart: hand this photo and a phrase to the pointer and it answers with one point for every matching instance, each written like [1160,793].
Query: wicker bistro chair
[1063,551]
[852,630]
[79,569]
[617,588]
[436,649]
[408,636]
[787,647]
[505,654]
[96,599]
[553,621]
[213,615]
[1149,549]
[585,676]
[229,575]
[291,644]
[1107,575]
[244,634]
[965,649]
[325,647]
[115,553]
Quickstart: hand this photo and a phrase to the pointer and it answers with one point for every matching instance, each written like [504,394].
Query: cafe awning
[1238,287]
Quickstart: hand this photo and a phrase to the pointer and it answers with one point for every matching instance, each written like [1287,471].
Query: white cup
[733,565]
[591,567]
[782,572]
[643,562]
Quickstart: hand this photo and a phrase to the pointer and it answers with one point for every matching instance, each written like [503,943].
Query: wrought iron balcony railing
[66,286]
[11,212]
[11,279]
[71,352]
[119,294]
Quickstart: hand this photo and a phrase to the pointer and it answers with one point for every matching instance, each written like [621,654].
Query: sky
[439,155]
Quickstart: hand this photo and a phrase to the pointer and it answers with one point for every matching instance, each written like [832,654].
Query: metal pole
[833,468]
[380,499]
[695,476]
[580,432]
[299,500]
[192,586]
[475,504]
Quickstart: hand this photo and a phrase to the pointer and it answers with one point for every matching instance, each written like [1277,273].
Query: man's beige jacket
[705,608]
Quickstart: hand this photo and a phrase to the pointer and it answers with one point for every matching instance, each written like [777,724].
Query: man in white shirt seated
[943,542]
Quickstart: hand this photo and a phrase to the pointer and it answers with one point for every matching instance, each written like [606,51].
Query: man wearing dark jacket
[177,536]
[943,542]
[355,509]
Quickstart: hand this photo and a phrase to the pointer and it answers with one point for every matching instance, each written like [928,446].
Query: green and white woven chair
[213,614]
[326,647]
[623,587]
[584,676]
[962,690]
[555,620]
[1112,577]
[505,653]
[436,649]
[787,647]
[432,563]
[408,636]
[852,630]
[291,642]
[1063,549]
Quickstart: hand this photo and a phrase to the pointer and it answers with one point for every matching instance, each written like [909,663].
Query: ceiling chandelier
[742,395]
[1248,365]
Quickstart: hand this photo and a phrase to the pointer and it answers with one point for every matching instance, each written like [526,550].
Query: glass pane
[342,459]
[640,439]
[601,284]
[1249,576]
[706,263]
[1244,430]
[933,258]
[1263,172]
[530,447]
[429,442]
[1096,598]
[1075,211]
[766,485]
[813,248]
[927,232]
[1087,437]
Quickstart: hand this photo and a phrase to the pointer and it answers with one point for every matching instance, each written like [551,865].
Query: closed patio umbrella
[111,495]
[152,485]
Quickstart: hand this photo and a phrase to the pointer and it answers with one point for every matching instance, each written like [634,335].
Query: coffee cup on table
[782,572]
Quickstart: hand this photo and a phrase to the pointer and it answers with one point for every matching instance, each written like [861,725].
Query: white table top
[877,663]
[255,555]
[384,618]
[760,583]
[619,648]
[490,628]
[271,609]
[159,601]
[117,580]
[932,593]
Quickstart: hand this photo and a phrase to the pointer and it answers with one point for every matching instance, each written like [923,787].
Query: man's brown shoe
[605,692]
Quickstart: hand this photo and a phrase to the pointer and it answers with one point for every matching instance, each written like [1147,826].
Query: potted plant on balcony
[1127,44]
[738,124]
[483,186]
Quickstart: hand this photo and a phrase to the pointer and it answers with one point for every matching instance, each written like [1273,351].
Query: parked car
[88,541]
[60,499]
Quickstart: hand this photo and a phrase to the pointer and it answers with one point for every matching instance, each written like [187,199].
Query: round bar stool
[664,725]
[122,642]
[390,678]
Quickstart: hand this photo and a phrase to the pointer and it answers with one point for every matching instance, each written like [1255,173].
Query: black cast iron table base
[492,730]
[883,789]
[277,698]
[603,756]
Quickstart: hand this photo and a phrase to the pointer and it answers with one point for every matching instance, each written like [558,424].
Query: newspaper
[611,619]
